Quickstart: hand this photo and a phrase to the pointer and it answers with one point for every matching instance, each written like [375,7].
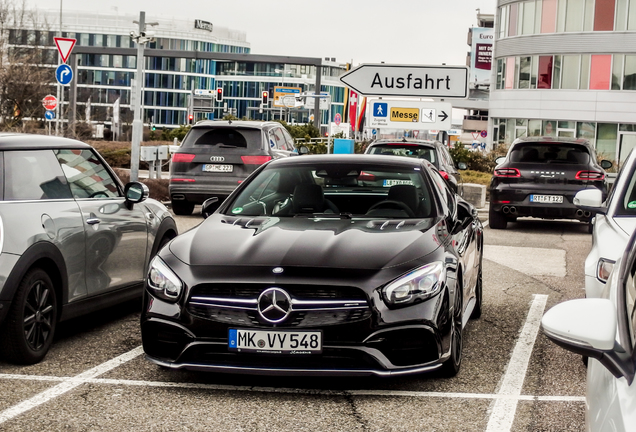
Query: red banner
[353,109]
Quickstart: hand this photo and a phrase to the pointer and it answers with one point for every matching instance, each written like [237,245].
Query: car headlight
[416,286]
[162,281]
[603,269]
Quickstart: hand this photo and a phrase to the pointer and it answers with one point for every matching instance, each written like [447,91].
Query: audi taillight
[444,174]
[589,175]
[182,157]
[507,172]
[255,160]
[182,180]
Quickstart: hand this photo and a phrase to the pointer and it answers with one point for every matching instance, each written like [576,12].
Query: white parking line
[68,384]
[284,390]
[503,412]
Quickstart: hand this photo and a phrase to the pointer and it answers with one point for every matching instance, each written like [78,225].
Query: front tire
[30,325]
[451,367]
[496,219]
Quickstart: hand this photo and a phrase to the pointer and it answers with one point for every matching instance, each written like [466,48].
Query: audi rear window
[224,137]
[550,153]
[414,151]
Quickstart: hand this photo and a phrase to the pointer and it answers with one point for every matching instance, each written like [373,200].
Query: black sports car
[539,178]
[312,266]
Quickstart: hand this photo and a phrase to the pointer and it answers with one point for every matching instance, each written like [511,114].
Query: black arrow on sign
[444,115]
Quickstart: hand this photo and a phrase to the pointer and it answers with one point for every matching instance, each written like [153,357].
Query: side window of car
[288,140]
[86,174]
[447,157]
[33,175]
[441,185]
[278,138]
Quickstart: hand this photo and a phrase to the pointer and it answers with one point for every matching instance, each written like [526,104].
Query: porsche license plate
[275,342]
[549,199]
[218,168]
[393,182]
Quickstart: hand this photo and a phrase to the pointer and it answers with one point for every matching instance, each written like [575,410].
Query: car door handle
[93,221]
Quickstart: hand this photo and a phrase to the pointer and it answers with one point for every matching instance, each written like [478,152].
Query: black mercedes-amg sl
[321,265]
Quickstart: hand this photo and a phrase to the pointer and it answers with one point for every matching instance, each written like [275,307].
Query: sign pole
[137,125]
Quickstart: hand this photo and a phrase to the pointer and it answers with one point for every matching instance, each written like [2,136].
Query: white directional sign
[410,115]
[416,81]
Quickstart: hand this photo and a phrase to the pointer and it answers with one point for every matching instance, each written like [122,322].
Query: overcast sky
[424,32]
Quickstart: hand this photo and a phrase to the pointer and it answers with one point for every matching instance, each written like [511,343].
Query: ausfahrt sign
[410,81]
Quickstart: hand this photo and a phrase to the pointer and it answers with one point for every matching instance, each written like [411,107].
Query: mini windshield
[336,190]
[409,150]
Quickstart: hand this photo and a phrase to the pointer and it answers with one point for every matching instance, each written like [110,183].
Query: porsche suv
[539,177]
[73,239]
[216,156]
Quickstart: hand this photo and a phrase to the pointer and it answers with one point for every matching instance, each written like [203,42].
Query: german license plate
[218,168]
[394,182]
[550,199]
[275,342]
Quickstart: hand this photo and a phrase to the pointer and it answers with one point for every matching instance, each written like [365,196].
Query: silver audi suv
[73,239]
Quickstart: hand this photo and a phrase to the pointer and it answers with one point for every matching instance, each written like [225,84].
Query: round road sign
[338,119]
[484,134]
[49,102]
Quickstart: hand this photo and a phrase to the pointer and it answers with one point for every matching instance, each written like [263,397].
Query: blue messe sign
[64,74]
[49,115]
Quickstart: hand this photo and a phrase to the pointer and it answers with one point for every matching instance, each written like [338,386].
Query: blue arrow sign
[49,115]
[64,74]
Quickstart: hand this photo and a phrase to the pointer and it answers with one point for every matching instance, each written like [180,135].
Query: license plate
[218,168]
[275,342]
[397,182]
[550,199]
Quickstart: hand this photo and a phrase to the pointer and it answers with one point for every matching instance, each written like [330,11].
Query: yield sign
[64,46]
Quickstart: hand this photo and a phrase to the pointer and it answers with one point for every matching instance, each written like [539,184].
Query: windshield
[336,190]
[224,137]
[627,204]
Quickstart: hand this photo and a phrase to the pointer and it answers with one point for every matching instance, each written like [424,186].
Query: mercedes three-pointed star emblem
[274,305]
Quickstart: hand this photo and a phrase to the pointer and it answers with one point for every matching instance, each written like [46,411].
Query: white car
[614,223]
[604,330]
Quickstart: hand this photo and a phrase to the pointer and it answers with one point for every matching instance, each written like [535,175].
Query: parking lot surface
[512,378]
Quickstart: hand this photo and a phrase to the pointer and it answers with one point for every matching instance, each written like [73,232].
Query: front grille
[312,306]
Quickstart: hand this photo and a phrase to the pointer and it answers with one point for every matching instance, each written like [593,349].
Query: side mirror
[209,206]
[588,327]
[590,200]
[135,192]
[605,164]
[500,160]
[462,166]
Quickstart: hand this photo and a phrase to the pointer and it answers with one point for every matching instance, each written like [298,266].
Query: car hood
[627,224]
[306,242]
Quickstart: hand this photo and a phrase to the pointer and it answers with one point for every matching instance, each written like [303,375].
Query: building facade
[566,68]
[169,81]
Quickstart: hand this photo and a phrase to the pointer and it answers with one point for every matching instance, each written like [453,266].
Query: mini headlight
[162,281]
[416,286]
[603,269]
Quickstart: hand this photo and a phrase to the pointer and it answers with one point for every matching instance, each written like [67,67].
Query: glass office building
[566,68]
[169,81]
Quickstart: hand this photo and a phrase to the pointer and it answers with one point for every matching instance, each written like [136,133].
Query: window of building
[566,128]
[584,76]
[527,17]
[501,73]
[549,128]
[548,16]
[510,76]
[556,72]
[525,65]
[570,71]
[503,21]
[631,15]
[545,72]
[561,15]
[600,70]
[586,130]
[617,71]
[604,15]
[512,25]
[606,135]
[534,127]
[629,74]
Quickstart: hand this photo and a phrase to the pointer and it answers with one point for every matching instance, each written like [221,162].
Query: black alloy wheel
[478,298]
[182,208]
[496,219]
[30,324]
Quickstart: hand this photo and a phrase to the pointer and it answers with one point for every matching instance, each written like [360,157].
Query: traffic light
[219,94]
[153,127]
[190,118]
[265,97]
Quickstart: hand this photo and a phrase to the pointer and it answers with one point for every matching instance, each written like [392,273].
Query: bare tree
[27,65]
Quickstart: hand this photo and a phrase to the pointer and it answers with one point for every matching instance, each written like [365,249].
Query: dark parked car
[311,268]
[216,156]
[539,178]
[73,239]
[433,151]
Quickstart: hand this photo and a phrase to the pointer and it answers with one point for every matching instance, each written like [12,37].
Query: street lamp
[141,38]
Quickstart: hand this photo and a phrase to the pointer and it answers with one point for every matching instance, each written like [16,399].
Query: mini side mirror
[135,192]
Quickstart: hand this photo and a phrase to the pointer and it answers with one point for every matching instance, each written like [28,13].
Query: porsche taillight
[507,172]
[589,175]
